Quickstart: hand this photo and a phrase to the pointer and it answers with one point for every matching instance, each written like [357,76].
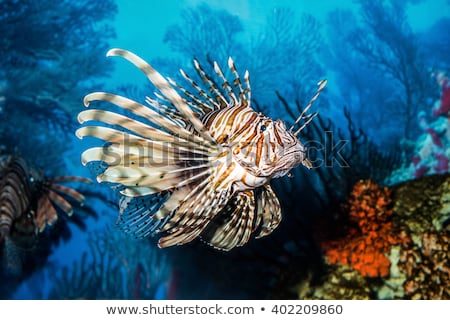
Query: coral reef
[409,256]
[422,206]
[50,59]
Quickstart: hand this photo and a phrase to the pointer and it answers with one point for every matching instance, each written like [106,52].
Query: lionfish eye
[263,128]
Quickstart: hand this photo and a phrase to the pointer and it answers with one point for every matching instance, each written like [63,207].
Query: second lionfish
[193,162]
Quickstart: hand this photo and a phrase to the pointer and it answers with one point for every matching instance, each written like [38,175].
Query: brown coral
[423,204]
[366,246]
[427,266]
[340,282]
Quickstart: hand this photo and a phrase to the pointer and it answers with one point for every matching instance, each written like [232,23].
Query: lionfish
[193,164]
[29,201]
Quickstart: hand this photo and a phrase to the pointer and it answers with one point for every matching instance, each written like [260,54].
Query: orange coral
[365,247]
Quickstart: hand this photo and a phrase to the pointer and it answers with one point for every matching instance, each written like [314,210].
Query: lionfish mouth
[291,159]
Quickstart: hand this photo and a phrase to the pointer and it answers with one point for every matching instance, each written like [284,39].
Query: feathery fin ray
[321,85]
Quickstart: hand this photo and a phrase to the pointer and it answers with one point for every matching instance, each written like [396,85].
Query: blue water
[354,81]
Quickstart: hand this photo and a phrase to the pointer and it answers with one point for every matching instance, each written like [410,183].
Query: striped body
[190,164]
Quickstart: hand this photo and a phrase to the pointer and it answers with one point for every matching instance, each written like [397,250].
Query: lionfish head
[274,151]
[290,152]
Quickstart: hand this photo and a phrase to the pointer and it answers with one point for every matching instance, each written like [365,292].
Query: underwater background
[371,220]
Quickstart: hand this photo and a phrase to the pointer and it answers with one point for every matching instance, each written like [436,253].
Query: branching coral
[365,247]
[39,129]
[388,45]
[286,37]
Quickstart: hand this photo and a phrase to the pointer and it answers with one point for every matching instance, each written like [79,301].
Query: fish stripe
[142,111]
[225,85]
[50,216]
[237,82]
[270,211]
